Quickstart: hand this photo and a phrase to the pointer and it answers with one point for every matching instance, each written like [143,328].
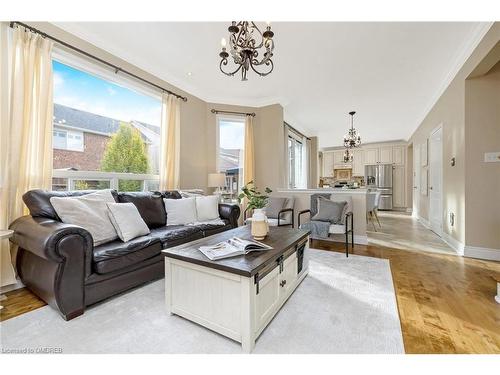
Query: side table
[3,235]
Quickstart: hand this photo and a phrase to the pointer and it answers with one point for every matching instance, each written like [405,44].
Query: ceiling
[389,73]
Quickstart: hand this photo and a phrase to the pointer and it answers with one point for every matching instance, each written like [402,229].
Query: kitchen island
[303,201]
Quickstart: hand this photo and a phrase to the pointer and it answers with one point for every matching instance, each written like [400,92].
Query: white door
[416,179]
[436,181]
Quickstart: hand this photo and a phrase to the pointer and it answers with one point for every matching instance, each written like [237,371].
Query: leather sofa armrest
[54,260]
[41,236]
[230,212]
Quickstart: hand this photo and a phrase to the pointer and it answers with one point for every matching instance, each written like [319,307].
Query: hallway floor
[402,231]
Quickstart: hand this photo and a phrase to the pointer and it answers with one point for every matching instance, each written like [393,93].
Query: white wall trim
[7,288]
[426,223]
[482,253]
[453,243]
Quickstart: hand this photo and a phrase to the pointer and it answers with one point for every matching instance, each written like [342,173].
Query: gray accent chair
[282,218]
[346,228]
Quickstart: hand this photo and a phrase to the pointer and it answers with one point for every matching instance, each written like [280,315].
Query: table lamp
[217,180]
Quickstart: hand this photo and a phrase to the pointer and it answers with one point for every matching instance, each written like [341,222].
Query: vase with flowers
[256,201]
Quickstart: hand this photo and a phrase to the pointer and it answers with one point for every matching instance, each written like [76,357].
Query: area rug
[344,305]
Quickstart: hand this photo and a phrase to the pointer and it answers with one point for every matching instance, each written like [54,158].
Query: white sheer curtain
[26,158]
[170,142]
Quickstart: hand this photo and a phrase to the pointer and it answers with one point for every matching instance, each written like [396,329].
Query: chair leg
[346,244]
[376,217]
[373,221]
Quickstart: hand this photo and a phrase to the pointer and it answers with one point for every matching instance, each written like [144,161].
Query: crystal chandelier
[352,138]
[245,43]
[348,156]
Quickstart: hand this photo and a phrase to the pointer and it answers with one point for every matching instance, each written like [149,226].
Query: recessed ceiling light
[189,74]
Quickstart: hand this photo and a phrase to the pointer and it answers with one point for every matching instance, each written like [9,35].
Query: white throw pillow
[89,212]
[180,211]
[127,221]
[207,208]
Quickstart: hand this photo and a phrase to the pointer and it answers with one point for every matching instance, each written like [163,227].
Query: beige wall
[449,111]
[313,164]
[482,182]
[270,148]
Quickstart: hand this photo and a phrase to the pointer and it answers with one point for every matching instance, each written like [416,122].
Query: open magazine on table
[233,247]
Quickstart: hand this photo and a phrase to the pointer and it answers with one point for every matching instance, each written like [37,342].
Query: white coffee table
[3,235]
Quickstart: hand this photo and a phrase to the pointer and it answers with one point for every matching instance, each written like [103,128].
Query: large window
[230,155]
[106,135]
[297,160]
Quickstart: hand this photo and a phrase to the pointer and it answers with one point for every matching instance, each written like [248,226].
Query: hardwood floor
[19,301]
[446,303]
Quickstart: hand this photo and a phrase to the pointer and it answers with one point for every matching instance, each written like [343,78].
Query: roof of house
[91,122]
[229,159]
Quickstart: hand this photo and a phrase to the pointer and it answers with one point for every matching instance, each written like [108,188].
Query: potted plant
[256,202]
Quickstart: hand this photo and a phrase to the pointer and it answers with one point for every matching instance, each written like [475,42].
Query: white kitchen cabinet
[398,186]
[338,157]
[358,164]
[370,156]
[268,298]
[327,164]
[288,277]
[398,155]
[385,155]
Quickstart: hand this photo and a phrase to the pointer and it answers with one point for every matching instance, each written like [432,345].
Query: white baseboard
[426,223]
[453,243]
[482,253]
[409,210]
[8,288]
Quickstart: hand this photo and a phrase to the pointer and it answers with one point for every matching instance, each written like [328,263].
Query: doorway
[436,180]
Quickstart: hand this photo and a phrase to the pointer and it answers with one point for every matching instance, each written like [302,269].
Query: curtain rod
[116,68]
[234,113]
[296,131]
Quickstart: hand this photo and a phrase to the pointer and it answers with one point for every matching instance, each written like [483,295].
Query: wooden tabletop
[279,238]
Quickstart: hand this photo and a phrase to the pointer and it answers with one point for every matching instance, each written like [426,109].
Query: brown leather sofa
[59,263]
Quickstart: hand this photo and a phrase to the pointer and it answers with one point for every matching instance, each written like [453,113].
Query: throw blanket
[319,229]
[216,222]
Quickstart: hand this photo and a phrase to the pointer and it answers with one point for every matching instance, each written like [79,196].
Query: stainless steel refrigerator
[379,177]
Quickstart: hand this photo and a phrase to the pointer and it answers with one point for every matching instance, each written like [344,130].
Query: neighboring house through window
[104,133]
[67,140]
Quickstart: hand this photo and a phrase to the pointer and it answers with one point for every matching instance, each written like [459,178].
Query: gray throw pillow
[329,211]
[274,206]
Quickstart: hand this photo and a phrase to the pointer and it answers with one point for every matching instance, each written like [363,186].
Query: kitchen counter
[325,190]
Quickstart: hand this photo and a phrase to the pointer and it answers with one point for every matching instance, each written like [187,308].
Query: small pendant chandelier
[246,41]
[348,156]
[352,138]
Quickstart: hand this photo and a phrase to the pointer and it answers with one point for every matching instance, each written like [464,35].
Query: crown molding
[462,56]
